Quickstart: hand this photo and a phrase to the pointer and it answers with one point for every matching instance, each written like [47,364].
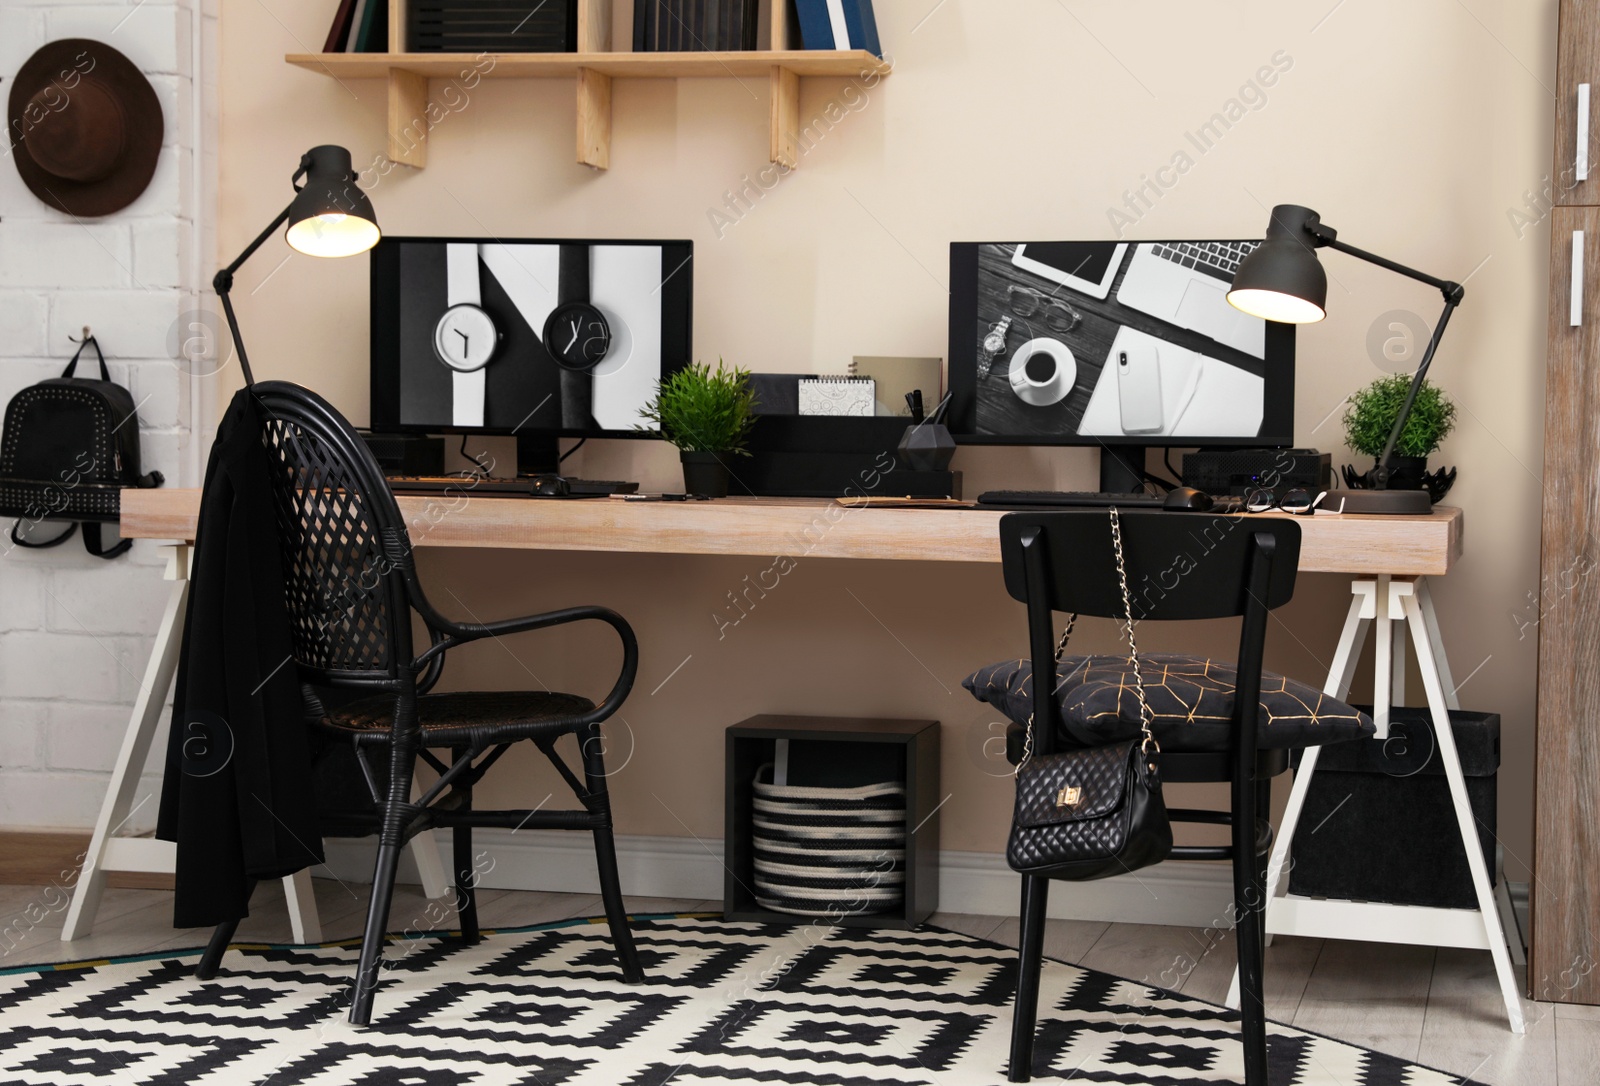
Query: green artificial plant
[703,410]
[1372,411]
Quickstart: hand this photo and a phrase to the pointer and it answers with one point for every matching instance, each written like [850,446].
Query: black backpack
[69,446]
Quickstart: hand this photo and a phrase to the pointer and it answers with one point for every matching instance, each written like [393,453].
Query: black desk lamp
[1282,280]
[329,216]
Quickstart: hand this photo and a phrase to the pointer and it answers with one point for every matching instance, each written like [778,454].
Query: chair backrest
[1179,566]
[346,552]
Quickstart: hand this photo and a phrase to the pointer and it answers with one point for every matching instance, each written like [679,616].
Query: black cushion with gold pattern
[1191,703]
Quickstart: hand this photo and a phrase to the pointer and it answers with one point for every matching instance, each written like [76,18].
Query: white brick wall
[75,632]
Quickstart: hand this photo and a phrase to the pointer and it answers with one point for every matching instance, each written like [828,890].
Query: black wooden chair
[352,590]
[1179,566]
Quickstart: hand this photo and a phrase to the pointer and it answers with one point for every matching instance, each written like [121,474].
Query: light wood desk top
[766,527]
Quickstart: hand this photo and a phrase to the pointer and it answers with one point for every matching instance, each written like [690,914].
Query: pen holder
[927,446]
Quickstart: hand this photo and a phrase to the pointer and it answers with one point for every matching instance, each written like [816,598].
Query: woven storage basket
[829,852]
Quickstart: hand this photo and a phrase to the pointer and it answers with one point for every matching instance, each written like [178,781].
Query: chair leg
[465,866]
[1030,961]
[1249,880]
[371,966]
[402,763]
[221,936]
[466,884]
[592,747]
[605,851]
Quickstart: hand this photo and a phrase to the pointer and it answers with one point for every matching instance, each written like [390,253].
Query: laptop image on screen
[1186,283]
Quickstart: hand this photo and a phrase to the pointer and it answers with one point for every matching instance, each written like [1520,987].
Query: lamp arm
[222,283]
[1380,472]
[1453,292]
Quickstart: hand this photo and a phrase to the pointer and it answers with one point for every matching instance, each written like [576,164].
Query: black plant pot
[705,474]
[1407,473]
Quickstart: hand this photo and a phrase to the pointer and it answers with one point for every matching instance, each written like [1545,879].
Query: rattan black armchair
[351,589]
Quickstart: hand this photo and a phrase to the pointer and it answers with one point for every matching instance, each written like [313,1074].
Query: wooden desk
[1358,545]
[1388,558]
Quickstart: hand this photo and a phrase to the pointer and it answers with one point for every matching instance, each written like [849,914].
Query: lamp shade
[1282,280]
[331,215]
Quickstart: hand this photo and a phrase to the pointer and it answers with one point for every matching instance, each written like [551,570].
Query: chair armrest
[462,633]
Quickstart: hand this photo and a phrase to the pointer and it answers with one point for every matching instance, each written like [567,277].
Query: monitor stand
[1122,469]
[538,454]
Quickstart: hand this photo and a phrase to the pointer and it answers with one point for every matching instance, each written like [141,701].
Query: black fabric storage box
[1379,825]
[493,26]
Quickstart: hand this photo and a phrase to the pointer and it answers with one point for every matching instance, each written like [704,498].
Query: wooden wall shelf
[592,68]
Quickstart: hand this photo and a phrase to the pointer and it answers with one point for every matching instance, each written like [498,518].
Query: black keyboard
[521,487]
[1070,499]
[1216,258]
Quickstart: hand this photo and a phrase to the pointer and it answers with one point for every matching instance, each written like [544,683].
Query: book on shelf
[694,25]
[838,24]
[339,32]
[356,16]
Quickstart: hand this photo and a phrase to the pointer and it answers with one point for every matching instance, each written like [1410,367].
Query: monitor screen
[1105,343]
[564,336]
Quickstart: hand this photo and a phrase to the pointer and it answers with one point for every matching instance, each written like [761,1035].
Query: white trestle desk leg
[1357,621]
[436,882]
[1382,660]
[302,900]
[108,852]
[118,807]
[1438,698]
[1441,663]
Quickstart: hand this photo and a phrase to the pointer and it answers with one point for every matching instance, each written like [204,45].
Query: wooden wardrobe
[1564,951]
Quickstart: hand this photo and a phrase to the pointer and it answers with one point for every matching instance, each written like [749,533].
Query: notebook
[837,396]
[895,377]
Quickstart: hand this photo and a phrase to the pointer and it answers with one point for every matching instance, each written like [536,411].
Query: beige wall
[1416,128]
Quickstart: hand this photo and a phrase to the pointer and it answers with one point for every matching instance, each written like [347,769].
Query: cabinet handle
[1577,279]
[1580,161]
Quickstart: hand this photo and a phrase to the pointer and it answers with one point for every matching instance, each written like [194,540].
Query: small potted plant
[1369,418]
[707,414]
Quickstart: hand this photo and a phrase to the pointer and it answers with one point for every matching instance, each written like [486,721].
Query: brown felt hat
[85,127]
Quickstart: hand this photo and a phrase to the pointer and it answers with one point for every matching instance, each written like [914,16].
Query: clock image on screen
[526,335]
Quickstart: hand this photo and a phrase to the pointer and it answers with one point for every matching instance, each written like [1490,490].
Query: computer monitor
[541,338]
[1120,345]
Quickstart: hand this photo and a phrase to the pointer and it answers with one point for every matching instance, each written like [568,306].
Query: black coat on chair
[237,796]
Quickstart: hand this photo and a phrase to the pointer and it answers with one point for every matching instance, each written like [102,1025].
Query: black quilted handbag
[69,446]
[1090,813]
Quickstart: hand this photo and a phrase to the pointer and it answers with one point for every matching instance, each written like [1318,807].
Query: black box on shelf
[1379,824]
[1237,471]
[833,456]
[839,752]
[492,26]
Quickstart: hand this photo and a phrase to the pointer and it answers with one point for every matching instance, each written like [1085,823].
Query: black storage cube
[1379,824]
[493,26]
[839,752]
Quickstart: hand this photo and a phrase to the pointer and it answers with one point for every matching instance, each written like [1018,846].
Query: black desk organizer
[1379,824]
[841,752]
[827,456]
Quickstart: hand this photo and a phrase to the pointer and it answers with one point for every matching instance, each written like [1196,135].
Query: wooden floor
[1437,1007]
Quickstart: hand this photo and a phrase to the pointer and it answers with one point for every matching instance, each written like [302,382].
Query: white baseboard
[1185,894]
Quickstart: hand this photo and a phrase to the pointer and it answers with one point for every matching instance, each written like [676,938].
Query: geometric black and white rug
[725,1004]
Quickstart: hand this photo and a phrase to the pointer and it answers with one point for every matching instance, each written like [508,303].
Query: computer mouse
[1187,499]
[550,486]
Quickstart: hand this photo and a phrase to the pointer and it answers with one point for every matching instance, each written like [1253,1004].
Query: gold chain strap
[1027,736]
[1133,648]
[1149,743]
